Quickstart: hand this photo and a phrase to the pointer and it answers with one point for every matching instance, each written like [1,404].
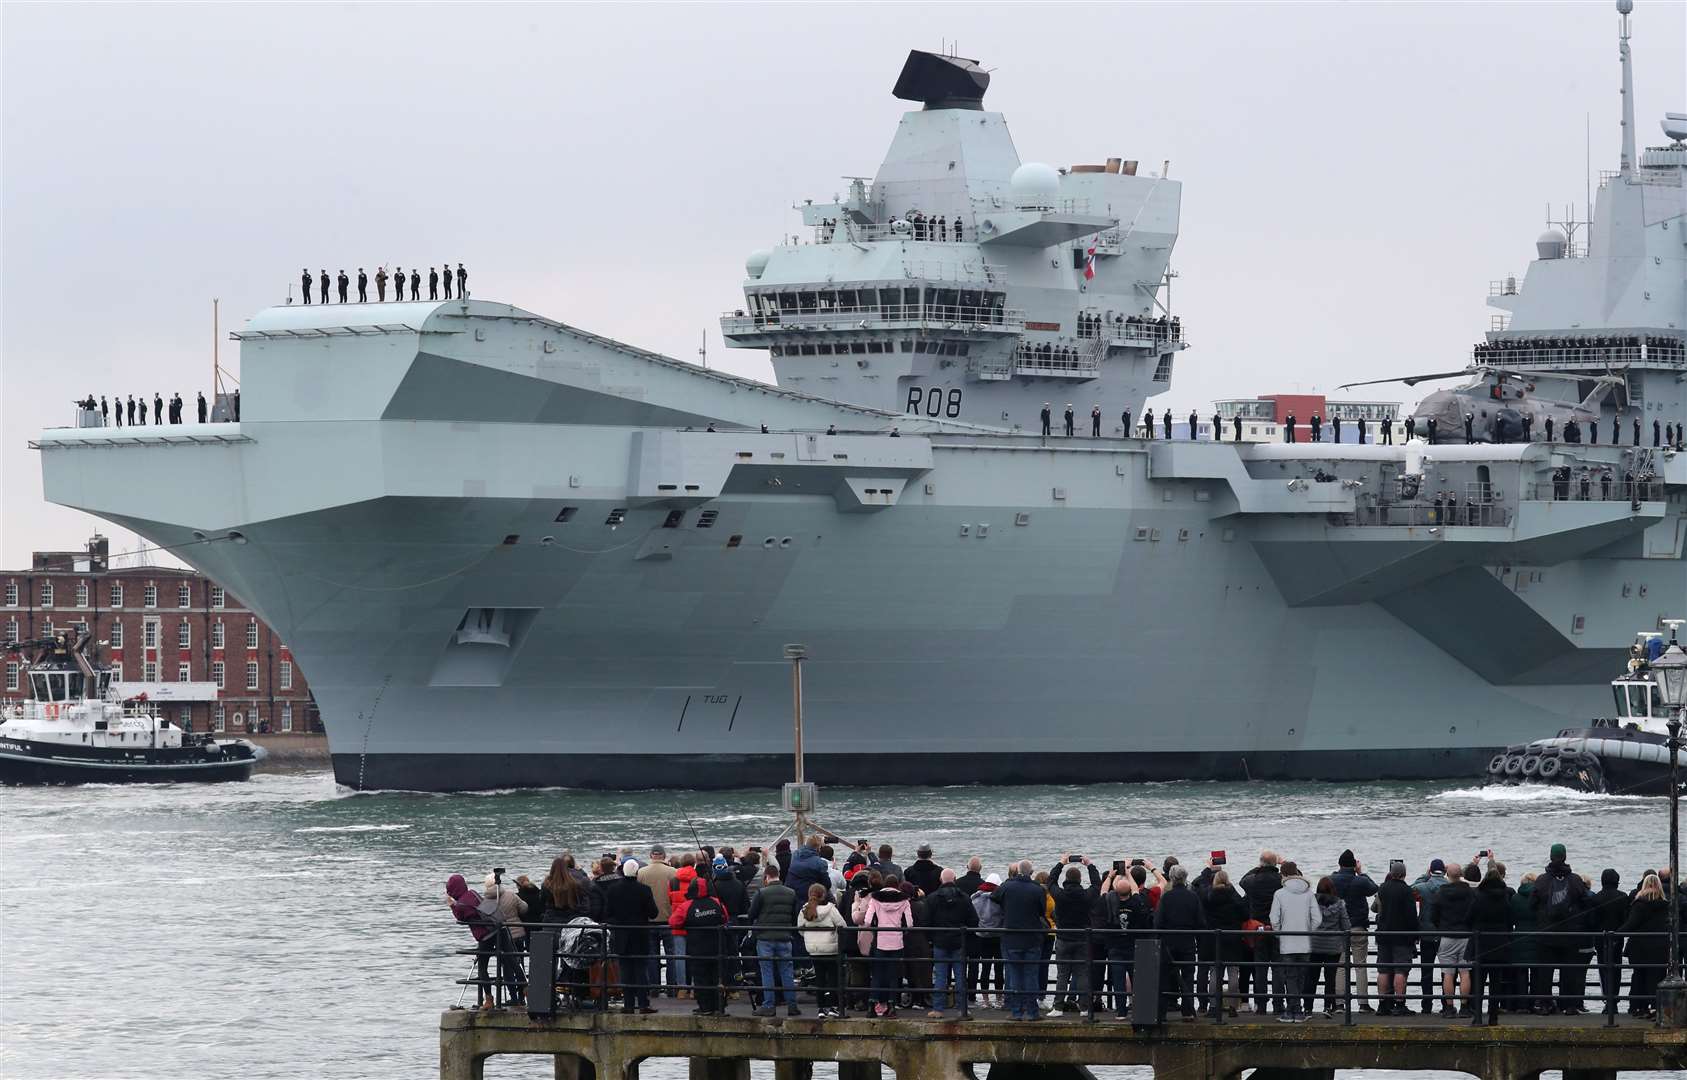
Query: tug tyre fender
[1496,765]
[1531,765]
[1513,765]
[1549,767]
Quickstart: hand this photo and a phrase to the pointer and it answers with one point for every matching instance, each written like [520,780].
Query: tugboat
[1627,754]
[75,728]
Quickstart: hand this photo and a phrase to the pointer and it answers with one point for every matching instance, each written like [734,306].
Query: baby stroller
[585,971]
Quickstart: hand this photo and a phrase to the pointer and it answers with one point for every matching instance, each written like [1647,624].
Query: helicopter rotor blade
[1409,380]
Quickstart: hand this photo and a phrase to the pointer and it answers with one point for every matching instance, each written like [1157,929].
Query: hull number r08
[934,401]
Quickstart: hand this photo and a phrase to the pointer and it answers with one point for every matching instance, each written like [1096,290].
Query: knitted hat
[1557,853]
[1609,879]
[1346,859]
[1436,866]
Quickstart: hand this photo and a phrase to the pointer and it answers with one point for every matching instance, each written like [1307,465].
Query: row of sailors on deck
[1658,347]
[136,410]
[1162,328]
[1666,435]
[911,226]
[435,277]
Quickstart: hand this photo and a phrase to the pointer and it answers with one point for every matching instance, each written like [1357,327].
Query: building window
[184,635]
[217,597]
[117,673]
[256,720]
[149,595]
[11,594]
[217,674]
[47,629]
[46,594]
[116,594]
[252,634]
[116,636]
[183,672]
[216,635]
[11,676]
[149,671]
[12,630]
[81,594]
[217,717]
[184,595]
[149,634]
[184,718]
[286,716]
[251,674]
[286,674]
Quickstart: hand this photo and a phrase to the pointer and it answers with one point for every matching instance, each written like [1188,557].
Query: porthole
[769,542]
[785,543]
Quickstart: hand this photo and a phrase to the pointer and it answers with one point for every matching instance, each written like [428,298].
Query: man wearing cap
[1068,417]
[1355,890]
[1397,917]
[1561,904]
[1045,415]
[1424,889]
[924,874]
[658,877]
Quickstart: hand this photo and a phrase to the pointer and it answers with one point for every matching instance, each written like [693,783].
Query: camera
[498,874]
[1074,858]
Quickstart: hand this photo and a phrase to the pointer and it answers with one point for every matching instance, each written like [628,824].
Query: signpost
[799,797]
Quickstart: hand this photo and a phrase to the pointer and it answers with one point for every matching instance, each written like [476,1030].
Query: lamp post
[1670,673]
[796,654]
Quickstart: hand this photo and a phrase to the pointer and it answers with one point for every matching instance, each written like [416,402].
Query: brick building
[160,624]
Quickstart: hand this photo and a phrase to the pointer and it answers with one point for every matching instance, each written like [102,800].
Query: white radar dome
[757,262]
[1034,184]
[1550,244]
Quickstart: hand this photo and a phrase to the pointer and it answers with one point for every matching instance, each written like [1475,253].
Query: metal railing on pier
[1478,976]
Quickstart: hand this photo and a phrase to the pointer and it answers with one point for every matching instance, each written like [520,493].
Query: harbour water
[288,928]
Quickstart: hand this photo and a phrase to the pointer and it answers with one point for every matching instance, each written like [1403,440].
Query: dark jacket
[925,876]
[1490,917]
[1453,902]
[628,902]
[1561,903]
[1022,903]
[808,868]
[1330,936]
[731,892]
[1610,909]
[1647,917]
[774,913]
[1523,939]
[1072,904]
[969,882]
[1260,886]
[705,926]
[1356,889]
[1227,910]
[949,912]
[1126,913]
[1180,909]
[1397,908]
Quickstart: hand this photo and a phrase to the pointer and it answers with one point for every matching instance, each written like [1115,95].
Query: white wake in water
[1533,793]
[351,828]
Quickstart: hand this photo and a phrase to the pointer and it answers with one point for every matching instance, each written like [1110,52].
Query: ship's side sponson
[484,362]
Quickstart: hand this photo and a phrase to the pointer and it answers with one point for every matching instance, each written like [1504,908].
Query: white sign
[168,691]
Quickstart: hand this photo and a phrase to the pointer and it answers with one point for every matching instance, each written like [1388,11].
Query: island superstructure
[510,552]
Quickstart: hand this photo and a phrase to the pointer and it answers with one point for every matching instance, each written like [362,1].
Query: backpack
[1560,903]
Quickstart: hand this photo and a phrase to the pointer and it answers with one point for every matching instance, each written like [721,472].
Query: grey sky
[1353,175]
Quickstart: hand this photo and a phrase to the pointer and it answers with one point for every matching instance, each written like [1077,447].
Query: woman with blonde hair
[1647,930]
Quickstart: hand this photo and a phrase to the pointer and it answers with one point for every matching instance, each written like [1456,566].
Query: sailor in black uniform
[202,407]
[1616,432]
[1411,428]
[415,284]
[445,271]
[1637,430]
[344,283]
[462,283]
[1549,429]
[362,286]
[1361,423]
[1655,431]
[1289,428]
[1194,422]
[1166,418]
[1236,422]
[1218,428]
[1148,423]
[1432,426]
[105,413]
[324,282]
[433,283]
[157,407]
[1095,422]
[1317,426]
[398,283]
[1469,428]
[304,280]
[1045,415]
[1068,417]
[1125,422]
[1387,429]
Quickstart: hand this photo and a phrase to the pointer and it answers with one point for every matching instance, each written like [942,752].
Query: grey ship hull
[980,607]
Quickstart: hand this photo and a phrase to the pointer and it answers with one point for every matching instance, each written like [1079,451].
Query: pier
[610,1046]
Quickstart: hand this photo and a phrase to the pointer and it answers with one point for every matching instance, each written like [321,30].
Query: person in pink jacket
[883,915]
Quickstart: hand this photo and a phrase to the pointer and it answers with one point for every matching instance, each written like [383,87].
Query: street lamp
[1670,673]
[798,795]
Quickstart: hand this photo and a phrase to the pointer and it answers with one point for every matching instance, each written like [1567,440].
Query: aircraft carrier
[510,552]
